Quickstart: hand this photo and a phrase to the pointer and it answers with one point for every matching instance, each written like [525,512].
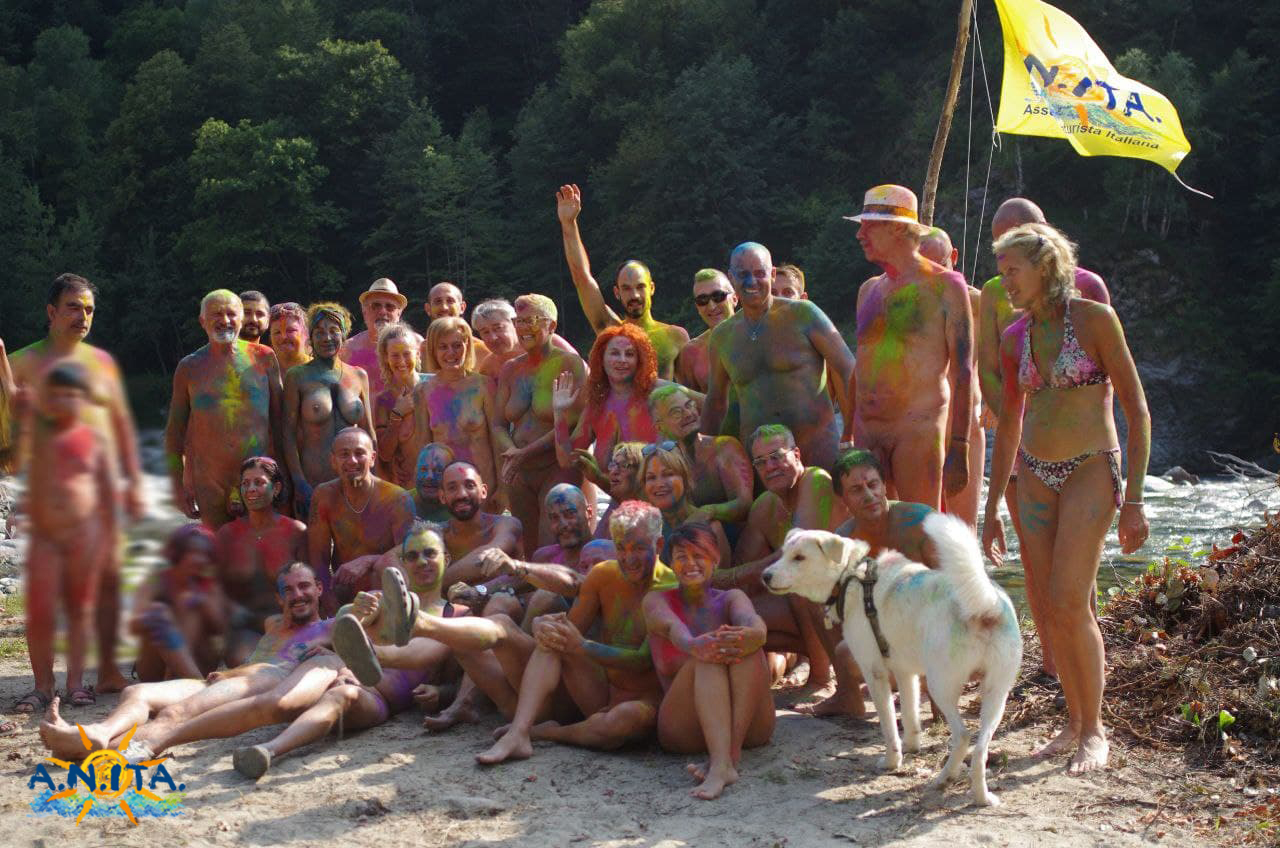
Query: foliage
[305,147]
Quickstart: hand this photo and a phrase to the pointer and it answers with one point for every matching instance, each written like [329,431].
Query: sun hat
[383,285]
[889,203]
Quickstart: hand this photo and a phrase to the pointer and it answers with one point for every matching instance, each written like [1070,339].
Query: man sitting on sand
[168,703]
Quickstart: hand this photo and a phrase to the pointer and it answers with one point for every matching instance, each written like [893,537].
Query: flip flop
[32,702]
[252,762]
[352,644]
[399,605]
[82,696]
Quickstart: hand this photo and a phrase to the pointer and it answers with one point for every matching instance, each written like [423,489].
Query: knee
[1060,610]
[341,696]
[504,605]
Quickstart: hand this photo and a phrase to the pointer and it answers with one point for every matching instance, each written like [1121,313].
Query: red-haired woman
[623,370]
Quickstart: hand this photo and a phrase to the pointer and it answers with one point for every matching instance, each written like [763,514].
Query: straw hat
[890,203]
[384,286]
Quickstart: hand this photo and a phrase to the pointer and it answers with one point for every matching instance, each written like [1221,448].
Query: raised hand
[563,393]
[568,203]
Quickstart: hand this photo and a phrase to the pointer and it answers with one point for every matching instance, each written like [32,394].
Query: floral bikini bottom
[1055,474]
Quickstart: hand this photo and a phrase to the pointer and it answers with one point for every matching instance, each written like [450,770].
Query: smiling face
[352,457]
[693,563]
[257,490]
[299,594]
[445,301]
[288,335]
[620,360]
[862,490]
[451,350]
[663,485]
[634,290]
[327,338]
[777,462]
[569,517]
[1024,282]
[429,473]
[497,333]
[622,472]
[73,315]
[256,320]
[221,319]
[677,415]
[379,310]
[714,299]
[533,329]
[462,491]
[402,359]
[423,559]
[637,554]
[787,285]
[752,271]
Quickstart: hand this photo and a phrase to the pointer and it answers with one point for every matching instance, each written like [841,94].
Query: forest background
[305,147]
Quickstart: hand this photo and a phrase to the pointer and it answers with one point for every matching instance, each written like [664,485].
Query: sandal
[400,605]
[352,644]
[82,696]
[32,702]
[8,727]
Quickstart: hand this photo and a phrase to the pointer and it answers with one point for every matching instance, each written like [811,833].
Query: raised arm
[175,441]
[958,325]
[565,396]
[568,205]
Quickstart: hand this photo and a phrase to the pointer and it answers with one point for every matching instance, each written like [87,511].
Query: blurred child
[179,611]
[69,503]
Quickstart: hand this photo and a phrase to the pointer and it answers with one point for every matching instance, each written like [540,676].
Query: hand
[215,676]
[585,461]
[570,637]
[404,405]
[134,502]
[494,562]
[427,697]
[562,392]
[301,497]
[955,471]
[365,606]
[351,573]
[989,418]
[993,539]
[568,203]
[544,631]
[468,596]
[705,648]
[1132,528]
[184,498]
[511,459]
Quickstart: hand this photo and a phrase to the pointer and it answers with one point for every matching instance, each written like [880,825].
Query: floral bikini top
[1073,367]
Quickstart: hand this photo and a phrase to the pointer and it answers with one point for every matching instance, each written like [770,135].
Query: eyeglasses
[529,320]
[649,450]
[615,464]
[762,461]
[414,556]
[717,296]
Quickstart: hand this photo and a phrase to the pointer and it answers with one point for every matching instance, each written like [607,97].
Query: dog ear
[791,536]
[834,548]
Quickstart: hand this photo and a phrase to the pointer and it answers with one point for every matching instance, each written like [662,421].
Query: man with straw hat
[914,325]
[381,305]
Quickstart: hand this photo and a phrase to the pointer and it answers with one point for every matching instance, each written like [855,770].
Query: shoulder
[1016,330]
[326,492]
[602,572]
[953,283]
[675,331]
[260,352]
[508,522]
[805,310]
[910,515]
[663,576]
[722,331]
[548,553]
[272,624]
[816,476]
[1092,314]
[1091,286]
[994,285]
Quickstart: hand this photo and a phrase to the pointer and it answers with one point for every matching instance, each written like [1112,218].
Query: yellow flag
[1057,83]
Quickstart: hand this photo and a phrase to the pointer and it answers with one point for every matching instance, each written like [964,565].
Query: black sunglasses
[717,296]
[649,450]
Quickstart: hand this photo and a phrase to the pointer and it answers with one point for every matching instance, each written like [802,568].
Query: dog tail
[961,560]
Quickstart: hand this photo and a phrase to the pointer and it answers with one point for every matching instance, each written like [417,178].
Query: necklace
[351,506]
[754,328]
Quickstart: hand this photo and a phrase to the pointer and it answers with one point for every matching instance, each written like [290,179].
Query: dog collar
[868,599]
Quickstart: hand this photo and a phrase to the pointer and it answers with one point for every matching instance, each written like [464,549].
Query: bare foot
[839,704]
[501,731]
[110,680]
[698,771]
[63,740]
[1059,744]
[1091,755]
[513,746]
[796,677]
[458,713]
[717,780]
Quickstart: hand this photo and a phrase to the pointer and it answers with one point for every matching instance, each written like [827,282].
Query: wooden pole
[948,110]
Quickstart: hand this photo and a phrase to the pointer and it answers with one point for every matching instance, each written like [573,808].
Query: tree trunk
[948,110]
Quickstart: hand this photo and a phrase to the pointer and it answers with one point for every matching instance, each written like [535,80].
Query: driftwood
[1240,468]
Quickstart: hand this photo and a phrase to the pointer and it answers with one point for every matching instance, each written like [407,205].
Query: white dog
[949,625]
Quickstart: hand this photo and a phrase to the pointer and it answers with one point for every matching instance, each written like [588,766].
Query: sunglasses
[717,296]
[762,461]
[649,450]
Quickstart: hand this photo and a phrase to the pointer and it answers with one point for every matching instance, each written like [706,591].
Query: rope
[968,156]
[995,140]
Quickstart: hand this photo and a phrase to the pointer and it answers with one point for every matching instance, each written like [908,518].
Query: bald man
[633,288]
[936,246]
[226,407]
[772,354]
[445,301]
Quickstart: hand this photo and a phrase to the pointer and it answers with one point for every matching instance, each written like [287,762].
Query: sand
[395,785]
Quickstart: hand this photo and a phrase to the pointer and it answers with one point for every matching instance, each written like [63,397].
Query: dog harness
[868,600]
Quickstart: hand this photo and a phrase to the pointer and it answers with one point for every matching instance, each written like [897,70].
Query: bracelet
[1134,503]
[960,439]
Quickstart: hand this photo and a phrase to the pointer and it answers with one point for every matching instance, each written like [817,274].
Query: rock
[1181,476]
[1155,484]
[10,585]
[1255,505]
